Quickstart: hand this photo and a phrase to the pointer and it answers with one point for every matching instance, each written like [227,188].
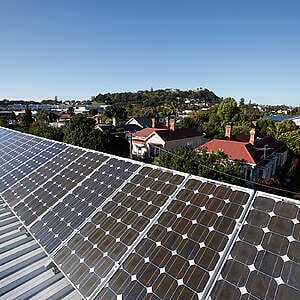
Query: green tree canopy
[291,140]
[227,111]
[40,128]
[80,131]
[265,125]
[116,110]
[210,165]
[188,122]
[286,126]
[27,120]
[70,111]
[42,116]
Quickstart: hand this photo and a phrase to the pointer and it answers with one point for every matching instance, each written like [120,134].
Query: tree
[93,111]
[286,126]
[114,142]
[27,120]
[265,125]
[291,140]
[213,127]
[188,122]
[280,128]
[70,111]
[40,128]
[3,122]
[227,110]
[52,116]
[242,102]
[42,116]
[80,131]
[116,110]
[214,165]
[183,159]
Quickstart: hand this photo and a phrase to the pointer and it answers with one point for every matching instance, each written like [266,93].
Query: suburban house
[142,122]
[127,128]
[260,157]
[149,142]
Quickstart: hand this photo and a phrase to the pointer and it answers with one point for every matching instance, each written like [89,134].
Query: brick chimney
[252,136]
[153,122]
[167,122]
[228,131]
[172,124]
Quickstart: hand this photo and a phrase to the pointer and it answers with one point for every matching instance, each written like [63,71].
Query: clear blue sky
[77,49]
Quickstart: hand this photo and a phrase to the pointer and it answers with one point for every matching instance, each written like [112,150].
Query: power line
[229,175]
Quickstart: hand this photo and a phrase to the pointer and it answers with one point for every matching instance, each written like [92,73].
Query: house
[149,142]
[140,121]
[63,118]
[260,157]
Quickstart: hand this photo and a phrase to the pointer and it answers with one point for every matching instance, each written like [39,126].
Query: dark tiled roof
[178,134]
[144,122]
[129,127]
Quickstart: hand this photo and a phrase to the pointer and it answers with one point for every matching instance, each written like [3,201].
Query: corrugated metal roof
[25,270]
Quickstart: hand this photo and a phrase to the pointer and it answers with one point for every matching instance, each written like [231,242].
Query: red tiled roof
[146,132]
[167,134]
[244,151]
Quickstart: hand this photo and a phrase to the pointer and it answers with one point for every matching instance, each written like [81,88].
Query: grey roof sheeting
[117,229]
[25,269]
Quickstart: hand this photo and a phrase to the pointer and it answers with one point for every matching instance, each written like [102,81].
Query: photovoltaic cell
[264,262]
[29,164]
[57,187]
[61,220]
[63,157]
[179,253]
[20,155]
[108,236]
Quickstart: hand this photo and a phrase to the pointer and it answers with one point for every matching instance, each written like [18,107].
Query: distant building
[149,142]
[260,157]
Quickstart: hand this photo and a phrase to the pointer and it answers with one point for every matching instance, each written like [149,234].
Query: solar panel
[27,162]
[71,211]
[38,201]
[121,229]
[178,255]
[264,262]
[30,183]
[96,250]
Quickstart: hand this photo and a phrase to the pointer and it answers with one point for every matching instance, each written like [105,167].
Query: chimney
[228,131]
[252,136]
[167,122]
[172,124]
[153,122]
[114,121]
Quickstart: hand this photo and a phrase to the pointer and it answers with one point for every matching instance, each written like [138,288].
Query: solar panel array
[123,229]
